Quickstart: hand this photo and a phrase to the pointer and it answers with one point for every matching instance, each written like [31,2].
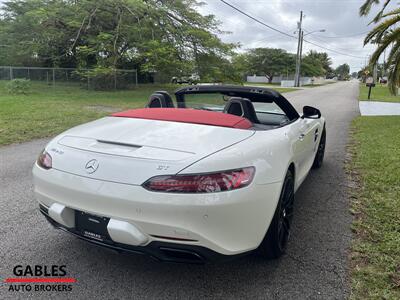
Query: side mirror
[310,112]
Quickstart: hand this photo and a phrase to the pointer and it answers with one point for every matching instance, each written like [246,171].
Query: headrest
[241,107]
[160,99]
[168,98]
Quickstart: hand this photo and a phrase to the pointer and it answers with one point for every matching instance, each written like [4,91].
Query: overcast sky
[339,18]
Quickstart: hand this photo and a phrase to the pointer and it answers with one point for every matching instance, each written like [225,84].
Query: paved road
[314,268]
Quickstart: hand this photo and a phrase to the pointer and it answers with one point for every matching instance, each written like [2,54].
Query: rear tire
[319,156]
[276,239]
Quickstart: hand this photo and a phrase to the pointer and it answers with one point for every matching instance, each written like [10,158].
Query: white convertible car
[209,176]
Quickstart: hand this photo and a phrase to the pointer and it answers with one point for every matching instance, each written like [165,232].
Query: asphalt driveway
[315,266]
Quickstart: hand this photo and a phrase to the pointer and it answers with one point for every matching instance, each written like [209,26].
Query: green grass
[319,84]
[48,110]
[313,85]
[379,93]
[375,166]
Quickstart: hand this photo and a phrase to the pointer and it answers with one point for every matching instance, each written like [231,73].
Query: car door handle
[301,137]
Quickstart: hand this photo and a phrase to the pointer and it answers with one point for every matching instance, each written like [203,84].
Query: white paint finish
[270,152]
[236,220]
[150,147]
[62,215]
[227,229]
[194,138]
[374,108]
[125,233]
[124,150]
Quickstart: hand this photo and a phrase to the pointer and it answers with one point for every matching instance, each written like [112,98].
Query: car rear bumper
[160,251]
[212,225]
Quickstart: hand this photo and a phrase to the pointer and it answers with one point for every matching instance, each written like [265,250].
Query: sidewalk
[374,108]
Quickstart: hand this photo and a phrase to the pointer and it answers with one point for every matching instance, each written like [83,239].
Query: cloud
[340,18]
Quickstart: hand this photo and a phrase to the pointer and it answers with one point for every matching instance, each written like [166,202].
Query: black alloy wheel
[286,213]
[275,241]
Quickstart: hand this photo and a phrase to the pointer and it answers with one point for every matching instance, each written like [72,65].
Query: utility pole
[301,53]
[298,57]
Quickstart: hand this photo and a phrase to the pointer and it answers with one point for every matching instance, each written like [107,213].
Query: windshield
[212,101]
[217,102]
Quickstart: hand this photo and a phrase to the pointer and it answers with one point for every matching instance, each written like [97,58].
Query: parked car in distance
[383,80]
[191,79]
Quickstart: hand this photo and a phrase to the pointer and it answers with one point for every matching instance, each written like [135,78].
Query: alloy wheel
[286,213]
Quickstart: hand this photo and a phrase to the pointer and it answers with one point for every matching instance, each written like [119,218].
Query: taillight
[44,160]
[201,183]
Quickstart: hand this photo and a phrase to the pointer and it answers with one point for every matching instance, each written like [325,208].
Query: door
[302,134]
[312,132]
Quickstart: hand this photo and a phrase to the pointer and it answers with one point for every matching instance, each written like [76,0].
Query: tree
[315,64]
[343,71]
[269,62]
[153,35]
[240,64]
[386,35]
[322,58]
[272,62]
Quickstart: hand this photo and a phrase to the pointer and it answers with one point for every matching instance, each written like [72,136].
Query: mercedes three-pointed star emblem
[92,166]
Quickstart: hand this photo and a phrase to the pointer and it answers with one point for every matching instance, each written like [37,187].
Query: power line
[266,38]
[256,20]
[336,48]
[332,50]
[284,33]
[341,37]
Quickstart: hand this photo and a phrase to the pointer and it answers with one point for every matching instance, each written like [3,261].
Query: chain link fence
[87,78]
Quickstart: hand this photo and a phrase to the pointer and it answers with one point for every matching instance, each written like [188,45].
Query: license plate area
[92,226]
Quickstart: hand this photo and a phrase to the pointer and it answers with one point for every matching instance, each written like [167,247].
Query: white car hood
[131,151]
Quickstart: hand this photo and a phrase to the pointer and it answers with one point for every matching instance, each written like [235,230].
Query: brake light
[44,160]
[202,183]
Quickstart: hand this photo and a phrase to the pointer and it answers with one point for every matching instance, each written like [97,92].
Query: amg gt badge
[92,166]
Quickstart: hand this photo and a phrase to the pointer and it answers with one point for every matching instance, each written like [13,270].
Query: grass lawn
[312,85]
[379,93]
[47,111]
[319,84]
[375,166]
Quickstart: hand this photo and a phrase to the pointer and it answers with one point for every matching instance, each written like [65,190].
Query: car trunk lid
[131,151]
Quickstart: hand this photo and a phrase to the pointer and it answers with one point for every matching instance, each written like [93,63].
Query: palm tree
[386,34]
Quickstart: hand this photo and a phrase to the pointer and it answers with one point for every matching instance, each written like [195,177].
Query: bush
[18,86]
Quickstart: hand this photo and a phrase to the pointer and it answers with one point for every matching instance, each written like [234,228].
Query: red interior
[186,115]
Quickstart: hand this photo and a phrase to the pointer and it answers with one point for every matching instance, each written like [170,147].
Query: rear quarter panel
[270,152]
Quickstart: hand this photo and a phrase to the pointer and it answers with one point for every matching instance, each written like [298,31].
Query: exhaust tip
[180,255]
